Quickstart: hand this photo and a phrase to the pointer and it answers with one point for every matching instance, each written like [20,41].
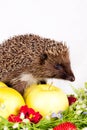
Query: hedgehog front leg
[19,86]
[22,81]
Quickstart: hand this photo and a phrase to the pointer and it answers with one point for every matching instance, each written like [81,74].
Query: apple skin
[10,101]
[2,85]
[46,99]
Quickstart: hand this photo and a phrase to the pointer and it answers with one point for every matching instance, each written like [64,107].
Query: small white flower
[83,105]
[22,116]
[80,101]
[84,128]
[15,125]
[47,117]
[26,121]
[78,107]
[5,128]
[78,112]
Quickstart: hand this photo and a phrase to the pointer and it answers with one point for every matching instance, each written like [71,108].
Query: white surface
[62,20]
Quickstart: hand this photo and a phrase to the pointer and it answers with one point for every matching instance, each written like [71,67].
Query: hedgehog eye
[58,66]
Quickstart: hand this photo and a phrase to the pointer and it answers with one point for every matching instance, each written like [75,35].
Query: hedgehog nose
[71,78]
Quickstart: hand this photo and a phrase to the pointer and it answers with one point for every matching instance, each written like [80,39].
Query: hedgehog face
[52,61]
[56,66]
[64,71]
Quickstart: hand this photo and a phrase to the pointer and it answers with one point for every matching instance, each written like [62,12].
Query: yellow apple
[2,85]
[46,99]
[10,101]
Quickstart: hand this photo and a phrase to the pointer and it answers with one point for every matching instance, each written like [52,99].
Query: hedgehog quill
[28,59]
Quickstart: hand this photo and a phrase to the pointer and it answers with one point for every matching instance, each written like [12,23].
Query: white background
[62,20]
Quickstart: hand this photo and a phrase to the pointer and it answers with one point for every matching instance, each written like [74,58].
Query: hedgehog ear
[43,57]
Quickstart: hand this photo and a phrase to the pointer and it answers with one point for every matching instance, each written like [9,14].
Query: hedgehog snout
[70,78]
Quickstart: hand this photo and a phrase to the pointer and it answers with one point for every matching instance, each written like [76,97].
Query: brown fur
[31,54]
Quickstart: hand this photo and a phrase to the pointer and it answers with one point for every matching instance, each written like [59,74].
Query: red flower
[35,117]
[71,99]
[24,110]
[30,114]
[14,118]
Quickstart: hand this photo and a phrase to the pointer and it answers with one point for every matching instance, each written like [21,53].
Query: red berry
[65,126]
[71,99]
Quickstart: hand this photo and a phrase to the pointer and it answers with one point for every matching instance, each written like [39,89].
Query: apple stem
[50,85]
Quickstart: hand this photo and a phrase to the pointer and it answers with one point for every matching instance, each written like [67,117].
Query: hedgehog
[28,59]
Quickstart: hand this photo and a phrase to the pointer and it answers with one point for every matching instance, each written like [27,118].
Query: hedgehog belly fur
[26,77]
